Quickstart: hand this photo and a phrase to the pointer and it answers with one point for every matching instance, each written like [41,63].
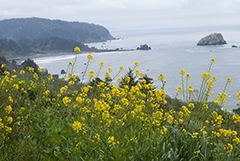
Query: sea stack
[212,39]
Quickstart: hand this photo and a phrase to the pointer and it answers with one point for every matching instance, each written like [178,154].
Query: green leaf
[57,154]
[115,152]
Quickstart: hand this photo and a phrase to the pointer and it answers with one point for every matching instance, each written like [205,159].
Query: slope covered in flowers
[42,118]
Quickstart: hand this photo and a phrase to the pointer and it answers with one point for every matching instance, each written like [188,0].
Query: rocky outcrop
[63,71]
[234,46]
[144,47]
[212,39]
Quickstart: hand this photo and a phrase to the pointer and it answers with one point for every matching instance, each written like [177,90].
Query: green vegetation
[13,49]
[36,28]
[42,118]
[29,36]
[26,47]
[55,44]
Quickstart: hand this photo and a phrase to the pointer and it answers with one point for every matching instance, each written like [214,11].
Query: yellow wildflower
[110,69]
[187,76]
[213,60]
[22,72]
[182,71]
[179,89]
[77,126]
[9,120]
[136,63]
[90,57]
[8,109]
[119,79]
[121,68]
[77,49]
[2,66]
[214,78]
[40,70]
[101,64]
[229,80]
[127,78]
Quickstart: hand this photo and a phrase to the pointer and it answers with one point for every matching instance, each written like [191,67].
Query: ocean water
[172,50]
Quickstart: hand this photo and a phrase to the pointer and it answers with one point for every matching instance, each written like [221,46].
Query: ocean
[172,49]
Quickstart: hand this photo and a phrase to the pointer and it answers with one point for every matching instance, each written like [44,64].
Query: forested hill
[55,44]
[10,49]
[36,28]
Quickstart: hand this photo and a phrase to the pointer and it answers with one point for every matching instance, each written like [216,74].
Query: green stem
[85,70]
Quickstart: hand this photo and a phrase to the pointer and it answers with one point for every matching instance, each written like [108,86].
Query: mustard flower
[229,80]
[46,92]
[35,76]
[127,78]
[77,126]
[90,57]
[30,69]
[66,100]
[121,68]
[180,114]
[141,74]
[119,80]
[105,115]
[50,77]
[70,75]
[101,64]
[108,75]
[187,112]
[63,89]
[190,90]
[8,129]
[77,49]
[16,86]
[9,120]
[70,83]
[111,141]
[191,105]
[110,69]
[40,70]
[137,71]
[136,63]
[195,135]
[8,109]
[2,66]
[214,78]
[71,63]
[213,60]
[182,71]
[14,76]
[1,125]
[179,89]
[10,99]
[91,74]
[205,106]
[180,121]
[161,77]
[187,76]
[22,72]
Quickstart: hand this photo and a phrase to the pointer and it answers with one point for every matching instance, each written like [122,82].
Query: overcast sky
[128,14]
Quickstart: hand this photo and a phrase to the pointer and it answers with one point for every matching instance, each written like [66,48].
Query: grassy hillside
[42,118]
